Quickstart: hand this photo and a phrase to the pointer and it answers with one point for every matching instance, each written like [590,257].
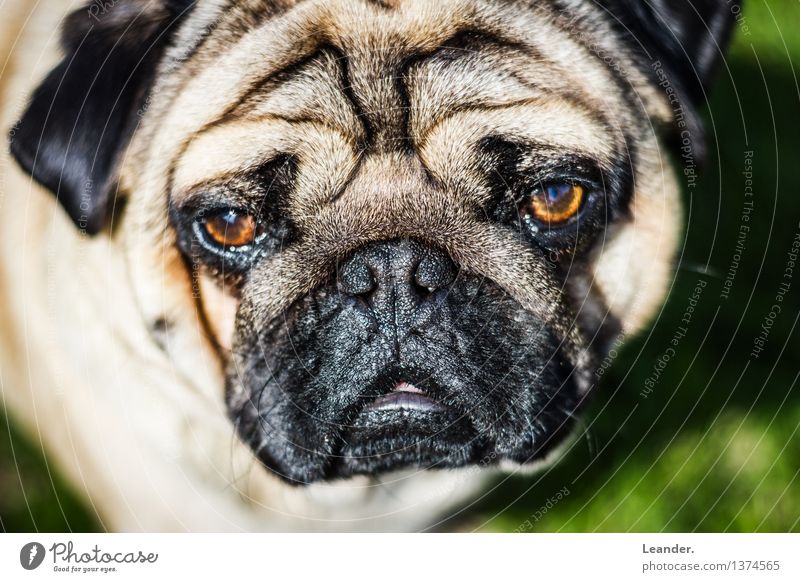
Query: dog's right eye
[229,229]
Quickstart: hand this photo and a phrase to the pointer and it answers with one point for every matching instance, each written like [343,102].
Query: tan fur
[138,421]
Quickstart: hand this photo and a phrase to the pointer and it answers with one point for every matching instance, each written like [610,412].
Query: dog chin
[411,428]
[406,428]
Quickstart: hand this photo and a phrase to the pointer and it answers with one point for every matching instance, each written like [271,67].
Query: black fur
[688,38]
[81,117]
[308,375]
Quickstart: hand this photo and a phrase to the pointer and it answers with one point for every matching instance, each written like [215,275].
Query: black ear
[680,44]
[81,117]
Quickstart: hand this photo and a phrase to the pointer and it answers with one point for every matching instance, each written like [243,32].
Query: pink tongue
[406,387]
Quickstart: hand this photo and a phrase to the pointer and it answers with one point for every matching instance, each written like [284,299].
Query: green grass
[716,446]
[32,495]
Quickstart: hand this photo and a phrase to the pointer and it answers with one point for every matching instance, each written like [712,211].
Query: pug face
[408,229]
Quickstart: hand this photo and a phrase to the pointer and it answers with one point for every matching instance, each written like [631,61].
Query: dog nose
[398,272]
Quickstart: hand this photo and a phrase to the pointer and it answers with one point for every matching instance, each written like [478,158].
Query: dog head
[409,228]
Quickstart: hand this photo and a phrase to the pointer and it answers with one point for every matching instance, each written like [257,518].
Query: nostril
[355,277]
[434,272]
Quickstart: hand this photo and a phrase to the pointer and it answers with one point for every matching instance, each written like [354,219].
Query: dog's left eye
[553,204]
[230,228]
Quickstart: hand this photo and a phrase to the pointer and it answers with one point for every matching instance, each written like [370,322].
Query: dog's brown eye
[555,203]
[231,228]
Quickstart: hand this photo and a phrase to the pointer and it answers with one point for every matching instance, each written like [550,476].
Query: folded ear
[81,117]
[679,44]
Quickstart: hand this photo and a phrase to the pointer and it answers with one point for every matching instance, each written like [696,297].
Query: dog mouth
[405,396]
[364,418]
[411,425]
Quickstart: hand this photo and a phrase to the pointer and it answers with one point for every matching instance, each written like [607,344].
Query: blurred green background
[715,446]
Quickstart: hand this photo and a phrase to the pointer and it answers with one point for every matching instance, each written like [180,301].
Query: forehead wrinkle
[297,32]
[314,92]
[212,91]
[493,72]
[342,21]
[257,54]
[377,42]
[554,122]
[549,123]
[574,62]
[433,103]
[252,143]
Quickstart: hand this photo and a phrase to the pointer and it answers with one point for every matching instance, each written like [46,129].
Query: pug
[278,265]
